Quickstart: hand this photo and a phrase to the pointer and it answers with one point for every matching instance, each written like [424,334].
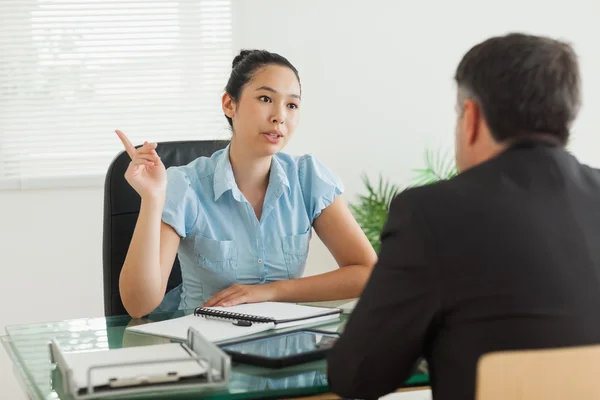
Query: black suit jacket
[504,256]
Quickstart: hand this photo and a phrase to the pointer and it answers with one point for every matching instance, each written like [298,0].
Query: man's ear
[228,105]
[471,119]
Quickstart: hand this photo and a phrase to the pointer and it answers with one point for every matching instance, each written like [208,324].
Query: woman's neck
[251,173]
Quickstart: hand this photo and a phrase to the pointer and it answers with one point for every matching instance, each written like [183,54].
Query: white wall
[50,260]
[377,88]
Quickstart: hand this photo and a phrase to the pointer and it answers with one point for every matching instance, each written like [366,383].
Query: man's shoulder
[433,191]
[472,182]
[447,202]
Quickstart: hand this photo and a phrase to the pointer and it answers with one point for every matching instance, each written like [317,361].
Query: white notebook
[219,323]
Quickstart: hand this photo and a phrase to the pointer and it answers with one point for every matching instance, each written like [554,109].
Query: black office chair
[121,209]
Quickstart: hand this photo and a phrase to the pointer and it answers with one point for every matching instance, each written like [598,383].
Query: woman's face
[268,111]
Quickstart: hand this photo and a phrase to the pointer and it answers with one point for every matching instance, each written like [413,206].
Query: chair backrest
[549,374]
[121,209]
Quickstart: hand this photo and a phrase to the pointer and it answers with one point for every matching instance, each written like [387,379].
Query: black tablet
[282,349]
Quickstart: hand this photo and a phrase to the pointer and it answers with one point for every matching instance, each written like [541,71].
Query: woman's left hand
[238,294]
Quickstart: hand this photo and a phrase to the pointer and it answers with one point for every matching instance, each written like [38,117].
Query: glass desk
[27,347]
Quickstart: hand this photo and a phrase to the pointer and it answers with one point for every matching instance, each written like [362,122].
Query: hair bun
[238,59]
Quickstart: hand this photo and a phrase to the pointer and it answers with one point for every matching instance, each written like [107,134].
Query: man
[504,256]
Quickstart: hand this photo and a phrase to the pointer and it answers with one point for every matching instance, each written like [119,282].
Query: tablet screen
[285,345]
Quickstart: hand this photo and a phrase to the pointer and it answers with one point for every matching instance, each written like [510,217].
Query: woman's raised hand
[146,173]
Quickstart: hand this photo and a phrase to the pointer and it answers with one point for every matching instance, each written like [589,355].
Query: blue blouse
[223,243]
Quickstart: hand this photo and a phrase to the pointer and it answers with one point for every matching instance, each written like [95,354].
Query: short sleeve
[182,203]
[319,185]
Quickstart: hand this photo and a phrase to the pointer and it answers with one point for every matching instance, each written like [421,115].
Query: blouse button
[260,260]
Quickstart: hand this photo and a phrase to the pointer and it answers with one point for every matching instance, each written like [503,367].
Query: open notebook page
[217,330]
[213,330]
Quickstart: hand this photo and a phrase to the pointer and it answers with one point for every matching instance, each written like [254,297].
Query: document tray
[194,365]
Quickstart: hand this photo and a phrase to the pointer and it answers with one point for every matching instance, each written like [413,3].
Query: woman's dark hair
[244,66]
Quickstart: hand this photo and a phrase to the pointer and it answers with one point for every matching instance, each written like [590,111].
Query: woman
[241,220]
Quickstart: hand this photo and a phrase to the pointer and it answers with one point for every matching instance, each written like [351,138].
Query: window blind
[73,71]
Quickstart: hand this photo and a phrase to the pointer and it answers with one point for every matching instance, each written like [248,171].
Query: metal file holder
[217,376]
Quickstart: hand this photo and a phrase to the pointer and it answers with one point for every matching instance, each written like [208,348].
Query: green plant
[437,167]
[371,210]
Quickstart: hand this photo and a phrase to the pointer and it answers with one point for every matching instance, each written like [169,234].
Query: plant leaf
[437,167]
[372,209]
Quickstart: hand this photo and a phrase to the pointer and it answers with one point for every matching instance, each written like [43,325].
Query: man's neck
[533,138]
[524,140]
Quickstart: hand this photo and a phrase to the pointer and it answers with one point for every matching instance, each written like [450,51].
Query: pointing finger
[129,148]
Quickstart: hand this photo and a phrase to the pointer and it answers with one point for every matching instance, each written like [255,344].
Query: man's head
[513,88]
